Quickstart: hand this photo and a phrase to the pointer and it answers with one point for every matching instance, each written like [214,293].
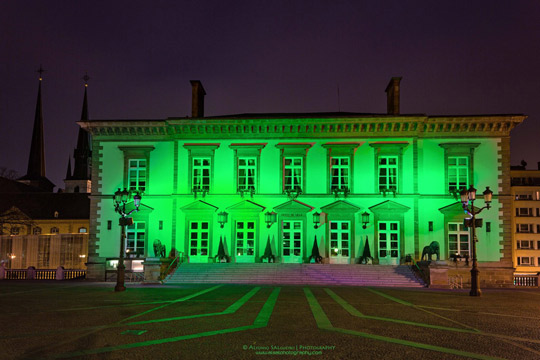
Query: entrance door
[388,242]
[199,236]
[340,242]
[292,241]
[245,241]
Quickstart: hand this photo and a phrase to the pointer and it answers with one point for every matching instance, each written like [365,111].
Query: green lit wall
[422,191]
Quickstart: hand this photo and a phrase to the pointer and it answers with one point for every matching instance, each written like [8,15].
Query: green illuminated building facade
[251,179]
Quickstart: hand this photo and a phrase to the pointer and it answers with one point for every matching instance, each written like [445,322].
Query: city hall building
[289,181]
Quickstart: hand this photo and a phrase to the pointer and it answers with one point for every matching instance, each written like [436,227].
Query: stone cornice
[346,127]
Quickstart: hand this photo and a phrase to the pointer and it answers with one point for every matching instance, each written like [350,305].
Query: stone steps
[295,274]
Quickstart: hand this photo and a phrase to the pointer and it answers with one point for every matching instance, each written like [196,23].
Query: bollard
[60,273]
[30,273]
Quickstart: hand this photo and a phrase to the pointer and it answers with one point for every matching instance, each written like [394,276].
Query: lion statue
[159,249]
[433,248]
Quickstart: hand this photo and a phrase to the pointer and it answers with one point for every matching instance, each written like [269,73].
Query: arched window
[36,231]
[56,214]
[54,230]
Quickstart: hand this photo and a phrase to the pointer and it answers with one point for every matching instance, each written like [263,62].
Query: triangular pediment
[293,207]
[14,213]
[389,206]
[340,206]
[200,206]
[246,206]
[455,208]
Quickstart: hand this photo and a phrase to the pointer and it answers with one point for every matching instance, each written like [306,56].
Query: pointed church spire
[83,150]
[35,174]
[68,172]
[36,161]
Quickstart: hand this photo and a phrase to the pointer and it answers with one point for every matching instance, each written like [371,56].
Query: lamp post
[468,197]
[121,198]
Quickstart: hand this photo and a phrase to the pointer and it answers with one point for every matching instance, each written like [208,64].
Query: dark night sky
[458,57]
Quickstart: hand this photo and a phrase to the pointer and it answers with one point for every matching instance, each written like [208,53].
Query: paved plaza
[82,320]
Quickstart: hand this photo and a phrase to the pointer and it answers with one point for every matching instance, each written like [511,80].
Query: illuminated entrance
[292,241]
[340,242]
[245,241]
[198,241]
[388,242]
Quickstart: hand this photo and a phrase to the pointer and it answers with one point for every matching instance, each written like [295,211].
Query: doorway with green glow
[292,241]
[245,232]
[199,237]
[389,242]
[340,242]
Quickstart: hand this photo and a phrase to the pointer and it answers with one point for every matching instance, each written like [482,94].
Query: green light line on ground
[324,323]
[320,316]
[424,310]
[173,302]
[230,310]
[260,321]
[351,310]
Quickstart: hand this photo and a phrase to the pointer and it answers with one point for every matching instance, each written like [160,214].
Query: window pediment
[293,207]
[340,206]
[389,147]
[389,206]
[246,206]
[200,206]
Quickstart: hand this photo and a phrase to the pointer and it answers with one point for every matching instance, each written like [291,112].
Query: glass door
[388,242]
[292,237]
[199,236]
[245,241]
[340,242]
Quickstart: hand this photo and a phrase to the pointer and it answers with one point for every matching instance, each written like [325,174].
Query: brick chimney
[197,99]
[392,96]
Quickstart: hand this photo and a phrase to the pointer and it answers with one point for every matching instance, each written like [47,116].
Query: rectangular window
[458,239]
[524,197]
[292,173]
[136,235]
[292,238]
[137,174]
[245,238]
[388,239]
[199,236]
[523,211]
[525,261]
[201,173]
[524,244]
[388,170]
[458,172]
[247,173]
[340,169]
[523,228]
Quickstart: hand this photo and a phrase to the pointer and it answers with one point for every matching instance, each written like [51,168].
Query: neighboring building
[401,170]
[526,219]
[38,227]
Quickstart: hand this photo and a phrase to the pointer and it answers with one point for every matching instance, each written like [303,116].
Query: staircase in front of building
[295,274]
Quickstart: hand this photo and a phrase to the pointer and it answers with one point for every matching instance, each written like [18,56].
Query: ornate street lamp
[468,197]
[121,198]
[365,219]
[270,218]
[316,219]
[222,218]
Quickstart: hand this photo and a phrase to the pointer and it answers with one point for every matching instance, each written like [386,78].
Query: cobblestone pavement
[82,320]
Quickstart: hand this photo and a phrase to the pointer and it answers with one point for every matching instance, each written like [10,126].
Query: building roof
[43,206]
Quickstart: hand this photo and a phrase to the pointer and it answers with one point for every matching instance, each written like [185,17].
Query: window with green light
[201,173]
[340,235]
[388,173]
[388,239]
[340,171]
[247,173]
[292,173]
[458,172]
[137,174]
